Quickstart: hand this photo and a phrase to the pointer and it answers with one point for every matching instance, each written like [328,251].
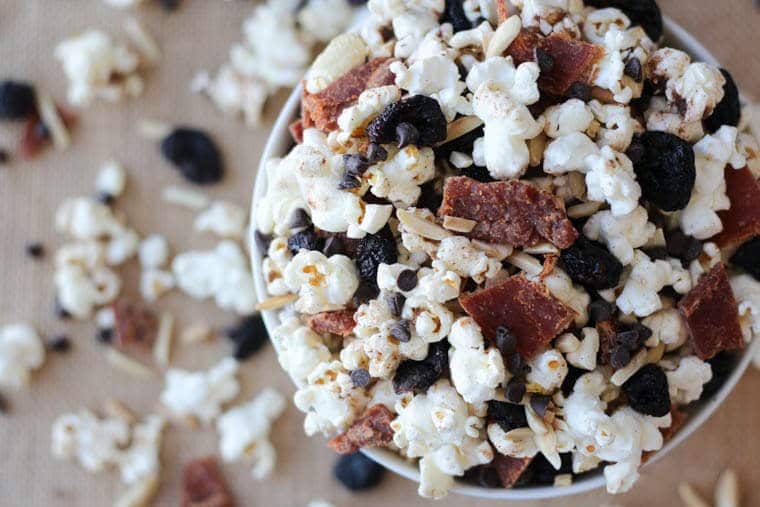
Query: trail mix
[515,242]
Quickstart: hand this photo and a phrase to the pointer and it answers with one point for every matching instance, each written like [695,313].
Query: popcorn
[686,381]
[244,431]
[640,294]
[712,154]
[201,394]
[299,349]
[475,371]
[371,102]
[568,153]
[747,293]
[621,234]
[571,116]
[155,282]
[322,283]
[283,196]
[517,443]
[436,77]
[619,126]
[98,68]
[439,427]
[562,287]
[458,254]
[373,327]
[585,355]
[94,443]
[548,370]
[329,399]
[141,459]
[411,21]
[274,265]
[224,219]
[398,178]
[153,251]
[610,178]
[325,19]
[111,179]
[85,218]
[221,273]
[699,88]
[21,351]
[80,289]
[383,393]
[665,117]
[667,327]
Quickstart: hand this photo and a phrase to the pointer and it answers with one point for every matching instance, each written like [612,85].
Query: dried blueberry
[747,257]
[249,336]
[507,415]
[17,100]
[647,391]
[357,472]
[645,13]
[401,331]
[453,13]
[422,112]
[360,377]
[505,340]
[395,303]
[599,310]
[60,343]
[407,280]
[417,376]
[591,264]
[579,90]
[544,60]
[366,292]
[194,153]
[306,239]
[729,109]
[633,69]
[373,250]
[515,391]
[620,356]
[665,170]
[299,219]
[35,250]
[682,246]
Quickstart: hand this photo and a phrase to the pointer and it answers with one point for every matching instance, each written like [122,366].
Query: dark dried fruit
[591,264]
[366,292]
[517,365]
[645,13]
[422,112]
[105,198]
[407,134]
[599,310]
[620,356]
[507,415]
[682,246]
[373,250]
[35,250]
[4,156]
[633,69]
[407,280]
[462,143]
[376,153]
[135,325]
[515,391]
[484,476]
[17,100]
[628,339]
[3,405]
[401,331]
[195,154]
[304,240]
[299,219]
[203,485]
[729,109]
[249,336]
[505,340]
[721,365]
[747,257]
[544,60]
[170,5]
[360,377]
[395,303]
[541,472]
[647,391]
[104,335]
[453,13]
[417,376]
[478,173]
[262,242]
[579,90]
[665,170]
[60,343]
[357,472]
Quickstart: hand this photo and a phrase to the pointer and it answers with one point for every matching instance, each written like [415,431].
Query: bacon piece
[678,419]
[607,332]
[135,325]
[574,60]
[322,109]
[711,314]
[742,220]
[509,469]
[203,486]
[340,322]
[508,212]
[296,131]
[373,429]
[524,307]
[502,10]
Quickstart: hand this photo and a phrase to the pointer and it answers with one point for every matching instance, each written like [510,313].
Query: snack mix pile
[513,242]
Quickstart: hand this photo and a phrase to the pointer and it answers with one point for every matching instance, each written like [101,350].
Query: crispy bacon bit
[742,220]
[509,469]
[502,10]
[574,60]
[373,429]
[340,322]
[524,307]
[711,314]
[607,332]
[322,109]
[203,486]
[296,131]
[508,212]
[135,325]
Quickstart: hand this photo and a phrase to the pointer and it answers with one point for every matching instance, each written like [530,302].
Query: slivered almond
[153,129]
[525,262]
[458,224]
[623,374]
[127,364]
[584,209]
[536,147]
[342,54]
[53,121]
[143,41]
[462,126]
[414,223]
[655,353]
[139,494]
[504,35]
[727,490]
[162,346]
[690,497]
[276,302]
[541,248]
[493,250]
[198,332]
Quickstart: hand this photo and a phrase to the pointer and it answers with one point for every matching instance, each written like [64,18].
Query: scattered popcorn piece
[244,431]
[141,459]
[94,443]
[686,381]
[476,371]
[320,503]
[610,178]
[299,349]
[224,219]
[622,234]
[111,179]
[548,370]
[640,294]
[322,283]
[585,355]
[201,394]
[153,251]
[186,197]
[21,351]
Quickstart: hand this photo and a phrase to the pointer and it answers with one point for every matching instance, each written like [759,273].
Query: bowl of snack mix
[510,250]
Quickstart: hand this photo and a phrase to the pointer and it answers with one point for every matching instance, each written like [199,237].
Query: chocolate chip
[517,366]
[300,219]
[360,377]
[507,415]
[262,241]
[407,280]
[4,156]
[35,250]
[376,153]
[599,310]
[395,301]
[3,405]
[628,339]
[539,404]
[355,164]
[579,90]
[105,198]
[619,357]
[633,69]
[544,60]
[505,340]
[333,246]
[515,391]
[682,246]
[366,292]
[60,343]
[348,181]
[105,335]
[401,331]
[407,134]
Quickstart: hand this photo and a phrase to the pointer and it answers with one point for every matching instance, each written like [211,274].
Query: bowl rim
[278,143]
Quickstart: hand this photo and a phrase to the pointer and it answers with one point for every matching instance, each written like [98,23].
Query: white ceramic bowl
[280,142]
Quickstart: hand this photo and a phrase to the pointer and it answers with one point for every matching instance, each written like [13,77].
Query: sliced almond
[127,364]
[185,197]
[727,490]
[690,497]
[418,225]
[276,302]
[527,263]
[53,121]
[342,54]
[153,129]
[541,249]
[493,250]
[458,224]
[461,126]
[504,35]
[584,209]
[164,335]
[536,147]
